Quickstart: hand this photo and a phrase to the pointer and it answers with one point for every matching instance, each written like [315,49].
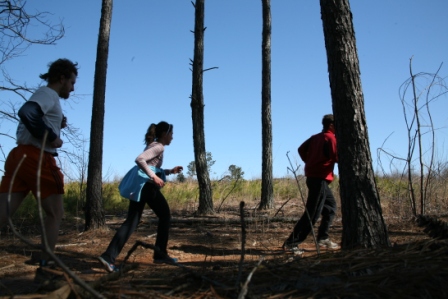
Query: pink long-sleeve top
[151,156]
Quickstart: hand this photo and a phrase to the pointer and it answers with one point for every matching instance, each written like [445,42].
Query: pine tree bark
[267,189]
[94,213]
[363,223]
[197,109]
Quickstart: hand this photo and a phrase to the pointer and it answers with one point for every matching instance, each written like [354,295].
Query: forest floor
[211,263]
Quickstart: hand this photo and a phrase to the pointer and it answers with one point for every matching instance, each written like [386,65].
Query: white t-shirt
[48,100]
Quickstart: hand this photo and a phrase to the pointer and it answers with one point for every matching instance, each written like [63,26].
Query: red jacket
[320,154]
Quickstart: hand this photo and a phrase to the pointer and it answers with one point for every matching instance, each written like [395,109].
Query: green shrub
[28,209]
[112,200]
[177,193]
[74,199]
[287,188]
[392,190]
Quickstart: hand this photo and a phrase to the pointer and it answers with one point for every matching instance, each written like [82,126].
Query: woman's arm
[148,157]
[174,170]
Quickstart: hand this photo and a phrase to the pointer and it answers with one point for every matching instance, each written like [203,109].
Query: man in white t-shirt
[41,121]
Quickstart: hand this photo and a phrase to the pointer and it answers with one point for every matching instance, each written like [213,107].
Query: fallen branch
[208,220]
[73,244]
[243,291]
[6,267]
[225,197]
[157,250]
[281,207]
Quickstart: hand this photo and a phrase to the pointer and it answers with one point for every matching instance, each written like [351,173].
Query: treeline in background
[395,195]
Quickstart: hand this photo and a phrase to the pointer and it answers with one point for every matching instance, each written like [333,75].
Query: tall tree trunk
[197,109]
[267,189]
[362,220]
[94,201]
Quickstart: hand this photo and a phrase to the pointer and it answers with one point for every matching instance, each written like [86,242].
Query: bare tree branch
[420,125]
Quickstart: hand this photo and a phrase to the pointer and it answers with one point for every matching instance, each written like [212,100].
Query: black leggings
[320,202]
[152,196]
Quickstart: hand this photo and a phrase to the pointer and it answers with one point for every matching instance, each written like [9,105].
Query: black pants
[320,201]
[152,196]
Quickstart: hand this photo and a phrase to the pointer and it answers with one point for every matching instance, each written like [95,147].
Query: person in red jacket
[319,153]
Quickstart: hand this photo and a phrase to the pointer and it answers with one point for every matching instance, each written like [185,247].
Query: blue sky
[149,76]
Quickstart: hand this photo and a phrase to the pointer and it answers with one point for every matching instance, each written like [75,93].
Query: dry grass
[210,251]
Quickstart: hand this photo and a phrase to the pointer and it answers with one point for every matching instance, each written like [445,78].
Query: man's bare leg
[15,202]
[54,211]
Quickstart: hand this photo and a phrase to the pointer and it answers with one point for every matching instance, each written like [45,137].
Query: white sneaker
[293,248]
[328,244]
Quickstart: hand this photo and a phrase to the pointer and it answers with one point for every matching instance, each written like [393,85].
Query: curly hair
[58,68]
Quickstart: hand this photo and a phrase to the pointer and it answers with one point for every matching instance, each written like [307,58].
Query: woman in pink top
[156,138]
